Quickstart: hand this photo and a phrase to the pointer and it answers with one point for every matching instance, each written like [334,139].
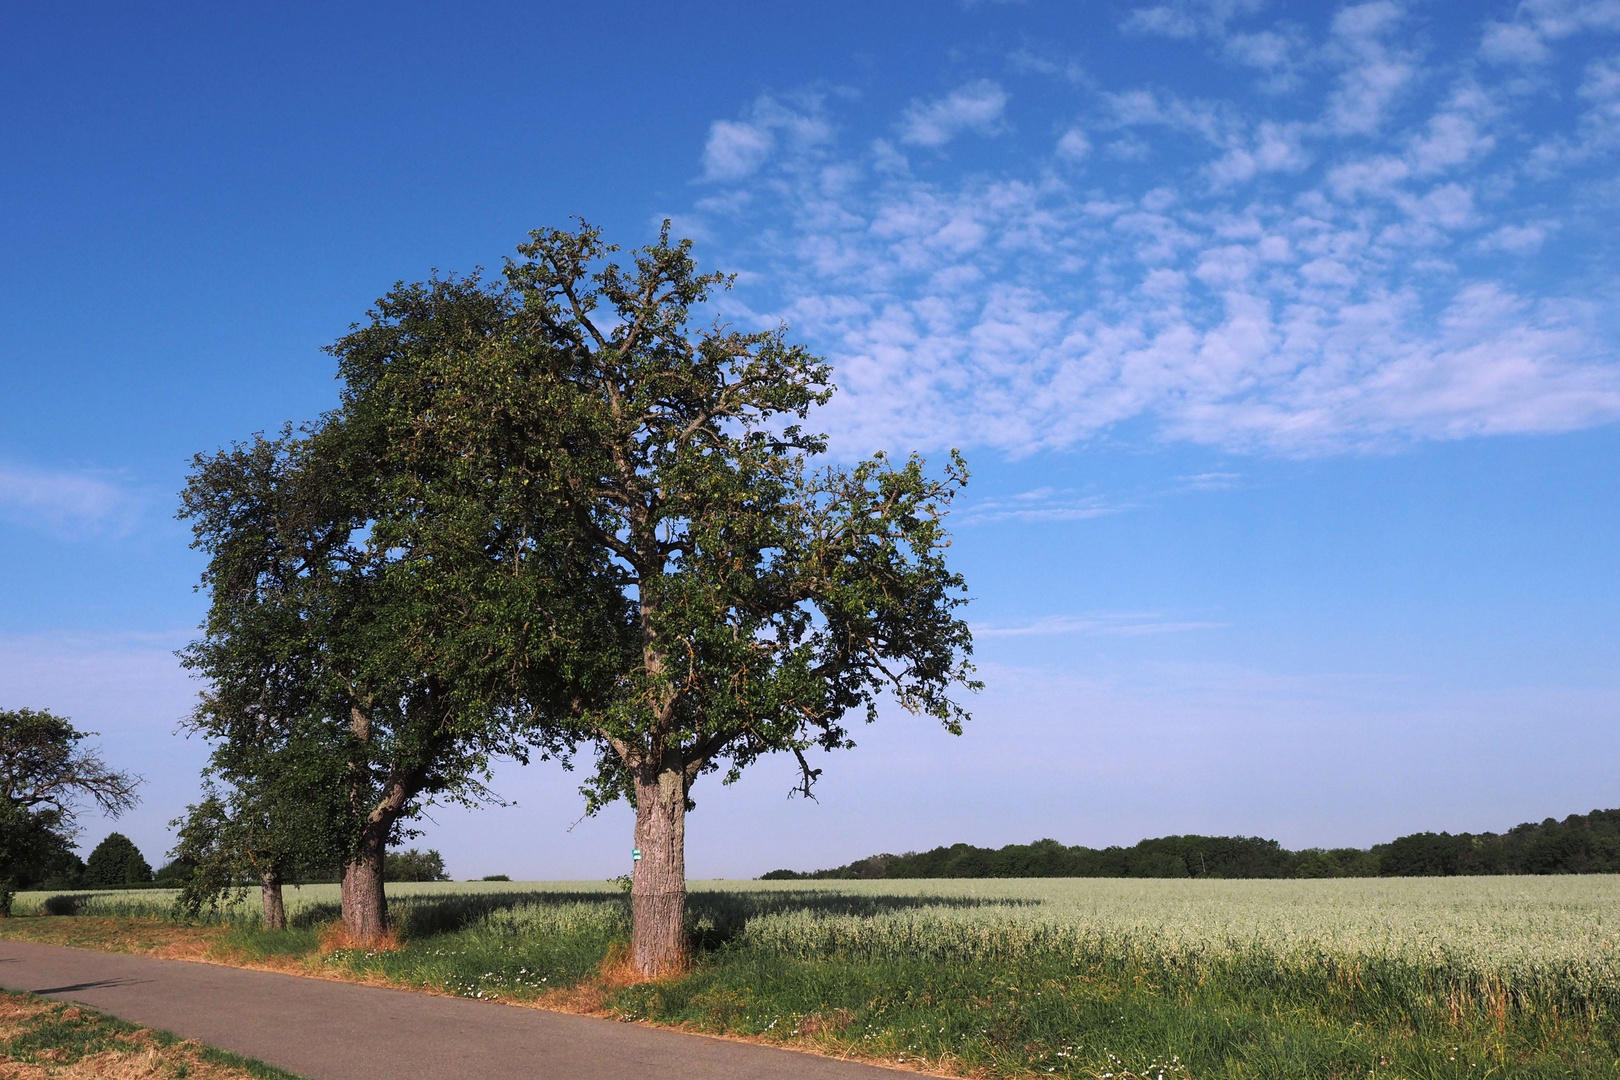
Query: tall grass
[1240,978]
[1547,947]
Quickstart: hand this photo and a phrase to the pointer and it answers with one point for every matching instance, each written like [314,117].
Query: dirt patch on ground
[589,996]
[336,938]
[139,937]
[44,1040]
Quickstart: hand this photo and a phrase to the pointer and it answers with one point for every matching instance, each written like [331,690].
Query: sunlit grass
[1432,977]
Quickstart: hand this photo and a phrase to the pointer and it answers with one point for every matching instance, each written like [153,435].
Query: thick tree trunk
[658,887]
[365,906]
[275,912]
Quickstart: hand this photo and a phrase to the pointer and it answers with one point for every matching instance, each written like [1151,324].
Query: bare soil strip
[44,1040]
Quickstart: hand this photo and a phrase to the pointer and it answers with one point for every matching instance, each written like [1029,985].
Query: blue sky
[1281,339]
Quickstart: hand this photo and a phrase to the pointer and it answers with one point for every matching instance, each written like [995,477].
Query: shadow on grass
[713,918]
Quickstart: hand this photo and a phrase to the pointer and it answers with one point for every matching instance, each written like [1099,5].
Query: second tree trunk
[658,886]
[365,906]
[275,912]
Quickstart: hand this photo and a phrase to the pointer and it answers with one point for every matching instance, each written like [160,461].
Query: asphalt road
[339,1031]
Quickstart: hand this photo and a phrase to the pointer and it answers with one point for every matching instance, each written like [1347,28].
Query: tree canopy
[45,777]
[549,511]
[766,598]
[117,861]
[396,597]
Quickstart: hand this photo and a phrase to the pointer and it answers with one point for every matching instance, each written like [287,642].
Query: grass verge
[42,1039]
[1057,1018]
[1105,1015]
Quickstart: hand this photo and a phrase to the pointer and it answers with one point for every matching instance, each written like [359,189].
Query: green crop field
[1416,977]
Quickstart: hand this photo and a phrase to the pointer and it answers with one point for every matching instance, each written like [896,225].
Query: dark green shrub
[413,865]
[62,905]
[117,861]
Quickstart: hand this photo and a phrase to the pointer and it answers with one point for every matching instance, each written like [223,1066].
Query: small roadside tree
[766,599]
[276,818]
[44,777]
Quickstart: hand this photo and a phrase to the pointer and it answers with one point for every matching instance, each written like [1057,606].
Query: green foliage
[116,861]
[396,597]
[62,904]
[43,776]
[1580,844]
[762,599]
[520,530]
[495,877]
[414,865]
[33,844]
[174,873]
[1165,857]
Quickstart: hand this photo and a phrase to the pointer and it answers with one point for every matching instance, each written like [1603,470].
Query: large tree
[45,776]
[396,583]
[766,597]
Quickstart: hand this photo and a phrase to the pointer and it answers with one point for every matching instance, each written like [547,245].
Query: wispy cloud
[1341,271]
[68,503]
[1210,481]
[1373,69]
[1189,18]
[1537,25]
[1041,504]
[1099,625]
[736,149]
[976,107]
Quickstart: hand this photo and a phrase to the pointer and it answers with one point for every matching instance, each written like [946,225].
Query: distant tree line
[1580,844]
[116,863]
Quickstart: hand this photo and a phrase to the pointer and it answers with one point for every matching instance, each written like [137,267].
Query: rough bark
[365,906]
[275,912]
[658,886]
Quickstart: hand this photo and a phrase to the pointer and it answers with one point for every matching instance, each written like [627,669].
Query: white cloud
[1373,73]
[1513,43]
[1027,62]
[1537,23]
[1277,52]
[977,107]
[1042,504]
[1458,134]
[735,150]
[1073,145]
[1188,18]
[1268,50]
[1309,278]
[67,503]
[1273,148]
[1517,239]
[1597,129]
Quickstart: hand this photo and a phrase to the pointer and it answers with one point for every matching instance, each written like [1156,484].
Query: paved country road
[328,1030]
